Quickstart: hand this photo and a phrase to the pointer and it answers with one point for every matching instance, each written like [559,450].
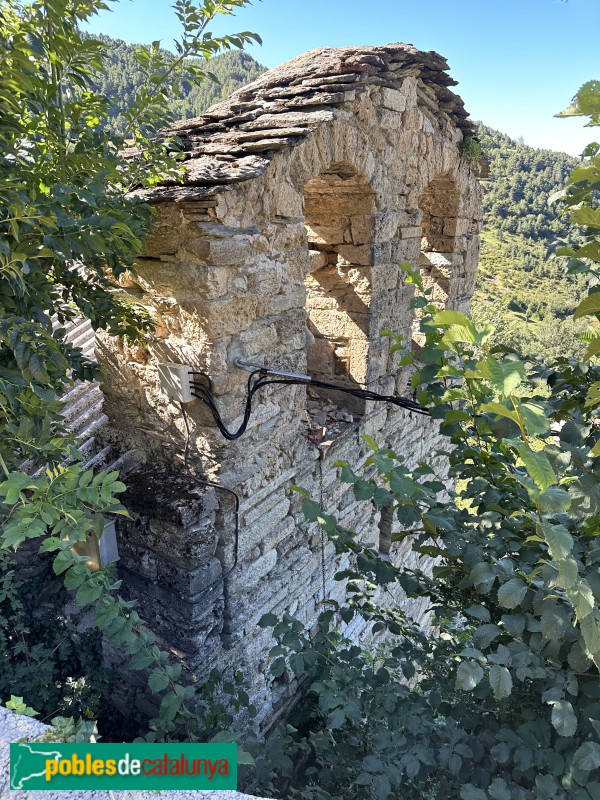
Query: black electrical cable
[259,378]
[256,381]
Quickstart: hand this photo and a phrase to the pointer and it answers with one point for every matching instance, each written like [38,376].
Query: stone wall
[304,192]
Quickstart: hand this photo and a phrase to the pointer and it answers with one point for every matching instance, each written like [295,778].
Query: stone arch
[338,209]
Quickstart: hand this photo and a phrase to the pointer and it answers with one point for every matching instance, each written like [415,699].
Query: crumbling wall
[304,193]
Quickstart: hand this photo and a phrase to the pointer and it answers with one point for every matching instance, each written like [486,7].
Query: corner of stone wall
[173,556]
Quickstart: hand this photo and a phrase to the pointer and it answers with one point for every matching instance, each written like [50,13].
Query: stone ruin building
[303,193]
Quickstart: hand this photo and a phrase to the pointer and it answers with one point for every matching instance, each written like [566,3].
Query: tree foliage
[121,77]
[520,183]
[69,227]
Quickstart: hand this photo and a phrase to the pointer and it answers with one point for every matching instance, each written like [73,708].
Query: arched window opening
[440,243]
[338,216]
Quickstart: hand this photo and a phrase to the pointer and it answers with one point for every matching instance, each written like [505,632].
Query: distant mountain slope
[528,298]
[122,76]
[522,178]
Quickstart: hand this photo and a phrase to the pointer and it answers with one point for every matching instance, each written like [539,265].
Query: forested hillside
[521,180]
[519,290]
[122,75]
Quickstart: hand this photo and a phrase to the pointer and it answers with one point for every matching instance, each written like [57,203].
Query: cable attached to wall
[260,376]
[202,389]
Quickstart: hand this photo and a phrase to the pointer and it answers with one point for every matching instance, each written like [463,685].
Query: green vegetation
[68,228]
[122,77]
[527,296]
[521,181]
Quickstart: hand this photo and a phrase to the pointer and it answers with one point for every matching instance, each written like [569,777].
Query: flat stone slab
[14,727]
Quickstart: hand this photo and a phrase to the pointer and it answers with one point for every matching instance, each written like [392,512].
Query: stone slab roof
[234,140]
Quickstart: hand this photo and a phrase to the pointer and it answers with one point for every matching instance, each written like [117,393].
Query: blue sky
[517,62]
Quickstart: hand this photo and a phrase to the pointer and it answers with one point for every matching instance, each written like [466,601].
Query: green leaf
[582,599]
[554,500]
[534,418]
[158,680]
[504,376]
[558,539]
[484,635]
[593,348]
[568,573]
[106,612]
[578,659]
[563,717]
[593,395]
[554,620]
[457,333]
[140,660]
[244,758]
[278,667]
[468,675]
[370,441]
[363,490]
[268,620]
[501,681]
[311,510]
[511,593]
[169,706]
[470,792]
[336,719]
[482,576]
[499,790]
[587,757]
[63,561]
[88,593]
[479,612]
[501,410]
[382,787]
[589,305]
[450,317]
[590,630]
[537,465]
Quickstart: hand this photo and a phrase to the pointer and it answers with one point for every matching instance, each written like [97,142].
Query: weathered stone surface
[393,99]
[304,193]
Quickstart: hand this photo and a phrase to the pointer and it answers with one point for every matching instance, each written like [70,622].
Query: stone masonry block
[262,526]
[226,317]
[186,581]
[229,252]
[249,574]
[393,99]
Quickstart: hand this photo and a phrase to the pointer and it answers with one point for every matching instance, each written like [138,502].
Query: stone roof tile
[289,101]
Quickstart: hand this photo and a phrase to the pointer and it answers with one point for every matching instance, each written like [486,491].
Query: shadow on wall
[338,211]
